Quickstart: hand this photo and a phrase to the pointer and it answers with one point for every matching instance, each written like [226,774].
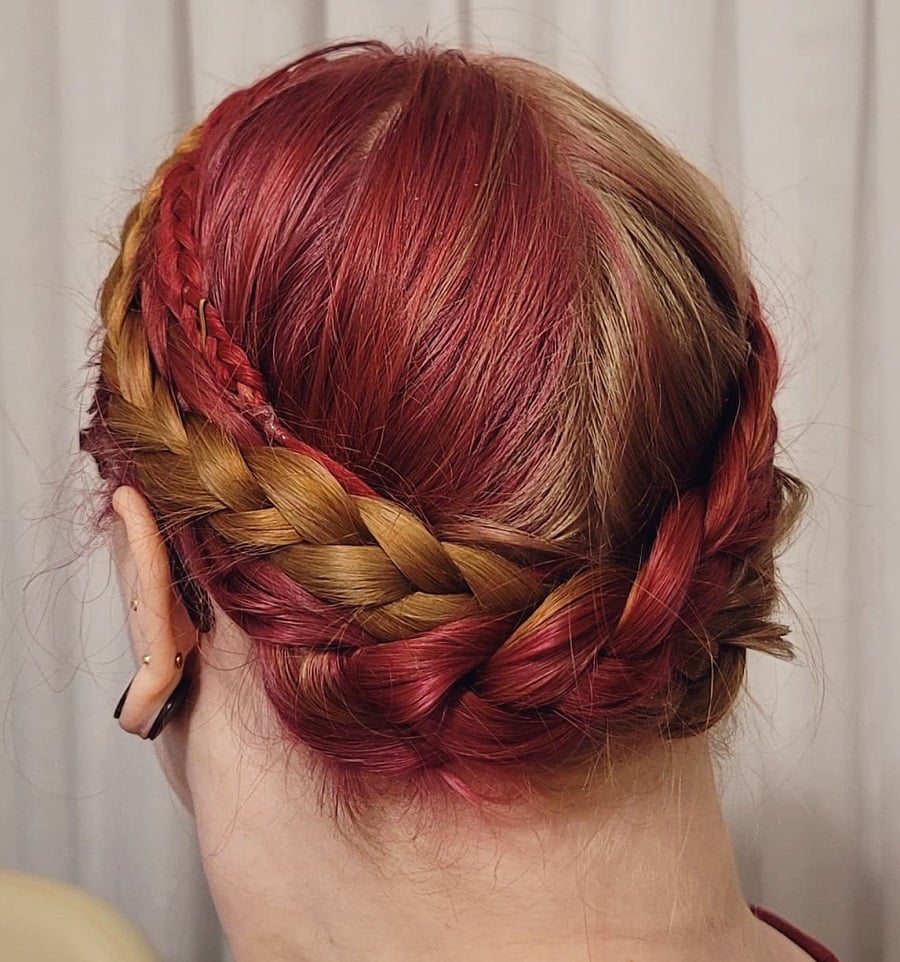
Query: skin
[645,873]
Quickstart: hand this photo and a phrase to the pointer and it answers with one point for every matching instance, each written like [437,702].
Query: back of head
[447,383]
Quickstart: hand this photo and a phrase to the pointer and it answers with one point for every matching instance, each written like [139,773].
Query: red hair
[447,382]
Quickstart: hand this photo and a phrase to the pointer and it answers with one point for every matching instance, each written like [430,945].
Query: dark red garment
[808,944]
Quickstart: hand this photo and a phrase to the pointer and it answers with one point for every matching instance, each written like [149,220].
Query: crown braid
[420,652]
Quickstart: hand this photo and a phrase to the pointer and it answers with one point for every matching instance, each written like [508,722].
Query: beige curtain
[791,106]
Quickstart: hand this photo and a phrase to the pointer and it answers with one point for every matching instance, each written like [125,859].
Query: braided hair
[447,382]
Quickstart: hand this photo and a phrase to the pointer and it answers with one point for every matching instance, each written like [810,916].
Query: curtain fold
[790,107]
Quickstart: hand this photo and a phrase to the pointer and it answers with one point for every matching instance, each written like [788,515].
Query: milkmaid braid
[467,650]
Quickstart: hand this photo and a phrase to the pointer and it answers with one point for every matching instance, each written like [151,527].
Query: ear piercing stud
[179,660]
[134,603]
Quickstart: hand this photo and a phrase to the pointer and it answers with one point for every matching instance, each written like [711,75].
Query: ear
[161,629]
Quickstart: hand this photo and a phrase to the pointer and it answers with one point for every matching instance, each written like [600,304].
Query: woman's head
[445,381]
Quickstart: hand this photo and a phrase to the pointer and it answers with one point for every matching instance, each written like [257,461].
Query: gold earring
[179,660]
[134,603]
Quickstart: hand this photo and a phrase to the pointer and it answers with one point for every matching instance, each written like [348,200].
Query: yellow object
[42,920]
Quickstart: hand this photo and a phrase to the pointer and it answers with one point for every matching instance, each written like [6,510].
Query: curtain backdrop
[790,106]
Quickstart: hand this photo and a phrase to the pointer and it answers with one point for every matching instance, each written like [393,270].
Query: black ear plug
[173,703]
[118,710]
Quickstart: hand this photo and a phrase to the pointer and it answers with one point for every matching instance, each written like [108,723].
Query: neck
[645,873]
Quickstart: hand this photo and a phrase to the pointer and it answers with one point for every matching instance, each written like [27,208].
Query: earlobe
[172,704]
[161,641]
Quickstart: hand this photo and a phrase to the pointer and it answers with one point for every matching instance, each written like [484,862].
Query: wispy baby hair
[447,382]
